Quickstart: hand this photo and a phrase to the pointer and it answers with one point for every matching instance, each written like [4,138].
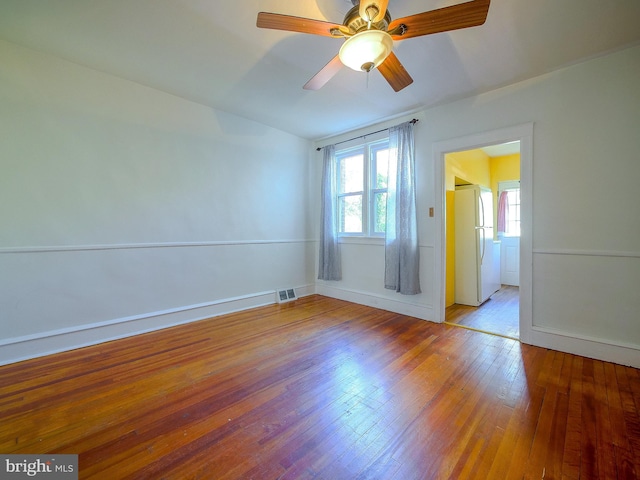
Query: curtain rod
[415,120]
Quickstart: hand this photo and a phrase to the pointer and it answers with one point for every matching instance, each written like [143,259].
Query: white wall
[124,209]
[115,207]
[586,232]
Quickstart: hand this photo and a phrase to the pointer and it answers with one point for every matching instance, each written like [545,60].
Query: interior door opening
[482,238]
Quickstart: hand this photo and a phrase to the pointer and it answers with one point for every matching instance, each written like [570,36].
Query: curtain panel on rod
[402,252]
[329,264]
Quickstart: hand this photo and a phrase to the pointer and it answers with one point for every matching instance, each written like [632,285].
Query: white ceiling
[510,148]
[211,52]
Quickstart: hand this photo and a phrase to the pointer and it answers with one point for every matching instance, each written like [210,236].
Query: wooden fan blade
[394,72]
[324,75]
[469,14]
[381,5]
[276,21]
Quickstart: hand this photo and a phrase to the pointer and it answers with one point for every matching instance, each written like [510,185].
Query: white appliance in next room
[477,268]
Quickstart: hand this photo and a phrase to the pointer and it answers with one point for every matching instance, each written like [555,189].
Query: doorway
[482,196]
[513,300]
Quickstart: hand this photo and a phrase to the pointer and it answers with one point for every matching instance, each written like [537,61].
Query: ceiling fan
[369,33]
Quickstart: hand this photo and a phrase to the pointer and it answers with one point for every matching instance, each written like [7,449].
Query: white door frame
[523,133]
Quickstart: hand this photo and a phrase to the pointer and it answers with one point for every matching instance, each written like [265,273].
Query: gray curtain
[402,253]
[329,267]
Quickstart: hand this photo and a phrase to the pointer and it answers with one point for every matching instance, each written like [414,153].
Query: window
[512,212]
[362,189]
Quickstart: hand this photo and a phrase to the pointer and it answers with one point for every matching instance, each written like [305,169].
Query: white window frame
[368,151]
[512,185]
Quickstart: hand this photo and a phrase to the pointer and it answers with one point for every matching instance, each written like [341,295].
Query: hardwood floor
[499,315]
[322,388]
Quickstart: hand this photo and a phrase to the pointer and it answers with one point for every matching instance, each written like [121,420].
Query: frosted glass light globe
[366,50]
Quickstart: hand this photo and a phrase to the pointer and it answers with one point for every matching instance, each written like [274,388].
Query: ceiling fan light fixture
[366,50]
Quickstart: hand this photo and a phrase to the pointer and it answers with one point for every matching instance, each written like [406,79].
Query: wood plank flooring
[324,389]
[499,315]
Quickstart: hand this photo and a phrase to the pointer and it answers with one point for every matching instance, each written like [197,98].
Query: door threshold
[451,324]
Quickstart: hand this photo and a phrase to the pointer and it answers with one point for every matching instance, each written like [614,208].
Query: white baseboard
[619,353]
[541,337]
[17,349]
[423,312]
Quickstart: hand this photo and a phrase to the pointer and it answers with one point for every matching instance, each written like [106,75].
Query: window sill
[502,235]
[360,240]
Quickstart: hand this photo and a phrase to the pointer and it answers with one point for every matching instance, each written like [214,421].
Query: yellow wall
[503,169]
[471,165]
[451,248]
[475,167]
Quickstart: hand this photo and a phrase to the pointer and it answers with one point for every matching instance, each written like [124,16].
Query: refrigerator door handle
[481,211]
[483,244]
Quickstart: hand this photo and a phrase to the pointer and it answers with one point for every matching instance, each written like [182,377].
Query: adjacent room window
[512,210]
[362,189]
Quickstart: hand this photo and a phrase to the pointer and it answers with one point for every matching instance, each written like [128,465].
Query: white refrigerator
[477,268]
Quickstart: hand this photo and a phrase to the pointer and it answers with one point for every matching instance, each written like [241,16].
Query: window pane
[351,174]
[350,208]
[380,213]
[513,213]
[381,168]
[362,173]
